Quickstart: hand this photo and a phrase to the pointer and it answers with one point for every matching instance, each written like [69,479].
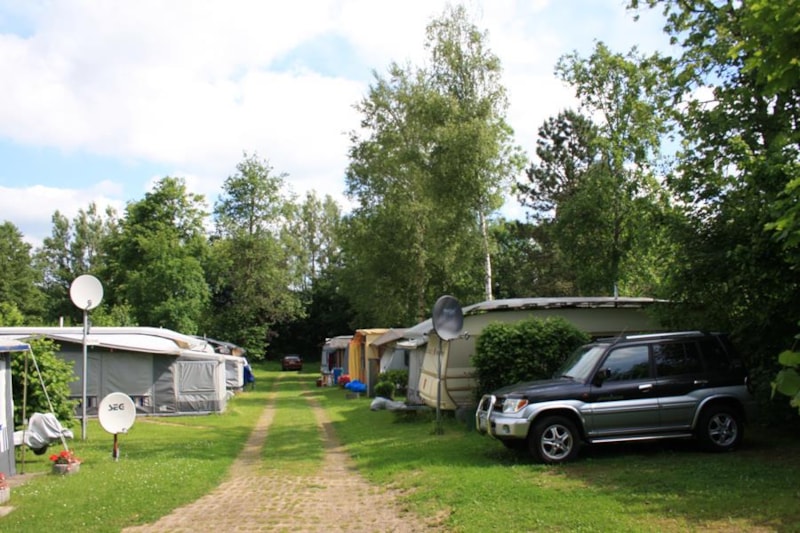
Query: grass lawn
[464,481]
[164,462]
[475,484]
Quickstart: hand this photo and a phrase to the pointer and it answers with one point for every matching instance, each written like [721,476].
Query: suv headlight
[514,405]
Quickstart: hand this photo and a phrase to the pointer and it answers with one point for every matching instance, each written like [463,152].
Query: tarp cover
[43,429]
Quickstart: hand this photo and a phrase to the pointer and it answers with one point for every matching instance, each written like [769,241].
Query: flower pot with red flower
[5,489]
[65,462]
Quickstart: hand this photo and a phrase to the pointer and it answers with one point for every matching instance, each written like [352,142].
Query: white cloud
[33,207]
[190,85]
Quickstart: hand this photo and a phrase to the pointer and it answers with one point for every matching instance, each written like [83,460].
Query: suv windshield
[581,363]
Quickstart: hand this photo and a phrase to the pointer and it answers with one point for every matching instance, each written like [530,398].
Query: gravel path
[334,499]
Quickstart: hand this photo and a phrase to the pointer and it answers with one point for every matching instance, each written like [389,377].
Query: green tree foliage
[432,161]
[18,278]
[156,259]
[328,313]
[10,315]
[566,149]
[256,266]
[527,261]
[317,229]
[593,186]
[474,158]
[73,248]
[787,381]
[736,84]
[525,351]
[56,374]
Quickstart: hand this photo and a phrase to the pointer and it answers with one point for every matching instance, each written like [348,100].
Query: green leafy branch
[787,381]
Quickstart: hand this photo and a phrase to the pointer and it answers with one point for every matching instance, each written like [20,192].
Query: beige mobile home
[598,316]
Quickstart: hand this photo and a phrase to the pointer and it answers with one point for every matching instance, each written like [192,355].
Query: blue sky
[102,98]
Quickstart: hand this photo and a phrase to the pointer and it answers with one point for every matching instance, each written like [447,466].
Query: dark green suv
[634,387]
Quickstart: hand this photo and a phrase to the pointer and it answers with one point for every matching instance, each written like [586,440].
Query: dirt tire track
[334,499]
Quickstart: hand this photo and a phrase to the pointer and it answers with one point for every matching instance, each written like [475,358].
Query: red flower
[64,458]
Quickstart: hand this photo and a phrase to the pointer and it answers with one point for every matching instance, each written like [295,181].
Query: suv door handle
[701,382]
[646,387]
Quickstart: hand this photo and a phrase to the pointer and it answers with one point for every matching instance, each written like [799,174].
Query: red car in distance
[292,362]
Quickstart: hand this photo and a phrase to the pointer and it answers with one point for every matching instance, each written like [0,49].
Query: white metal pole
[85,375]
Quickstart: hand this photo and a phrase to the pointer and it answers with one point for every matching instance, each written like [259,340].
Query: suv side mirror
[602,375]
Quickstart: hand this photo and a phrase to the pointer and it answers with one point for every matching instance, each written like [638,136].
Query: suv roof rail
[664,334]
[655,335]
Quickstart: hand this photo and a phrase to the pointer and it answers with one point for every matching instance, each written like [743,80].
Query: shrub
[524,351]
[384,389]
[399,377]
[56,374]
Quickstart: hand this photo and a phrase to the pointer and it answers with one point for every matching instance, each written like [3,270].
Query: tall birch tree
[427,168]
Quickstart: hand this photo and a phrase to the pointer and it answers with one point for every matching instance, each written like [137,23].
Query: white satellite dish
[86,292]
[117,413]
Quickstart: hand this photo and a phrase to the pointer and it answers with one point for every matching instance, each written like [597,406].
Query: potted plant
[65,462]
[5,489]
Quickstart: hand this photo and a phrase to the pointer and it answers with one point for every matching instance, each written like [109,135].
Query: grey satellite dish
[448,319]
[86,292]
[116,413]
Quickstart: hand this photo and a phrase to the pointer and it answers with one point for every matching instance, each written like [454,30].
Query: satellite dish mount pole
[448,321]
[439,428]
[86,292]
[85,373]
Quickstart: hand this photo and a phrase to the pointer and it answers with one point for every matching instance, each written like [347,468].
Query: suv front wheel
[720,428]
[554,439]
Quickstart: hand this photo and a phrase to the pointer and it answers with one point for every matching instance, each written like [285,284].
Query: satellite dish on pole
[116,414]
[448,321]
[86,292]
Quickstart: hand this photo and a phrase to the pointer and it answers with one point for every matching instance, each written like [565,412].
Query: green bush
[527,350]
[384,389]
[397,376]
[56,374]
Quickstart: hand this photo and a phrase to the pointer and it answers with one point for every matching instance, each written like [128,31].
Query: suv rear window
[677,358]
[715,356]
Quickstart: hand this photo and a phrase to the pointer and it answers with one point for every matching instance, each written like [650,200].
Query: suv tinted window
[677,358]
[628,363]
[715,356]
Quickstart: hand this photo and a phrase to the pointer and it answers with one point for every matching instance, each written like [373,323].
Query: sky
[99,99]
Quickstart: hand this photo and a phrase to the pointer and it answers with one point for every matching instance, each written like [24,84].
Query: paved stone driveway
[334,499]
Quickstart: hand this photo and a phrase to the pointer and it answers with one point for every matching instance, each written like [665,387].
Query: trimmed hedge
[524,351]
[397,376]
[384,389]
